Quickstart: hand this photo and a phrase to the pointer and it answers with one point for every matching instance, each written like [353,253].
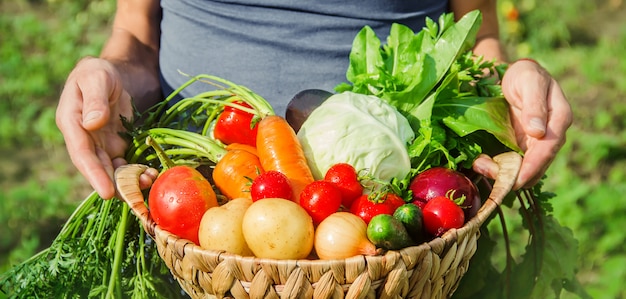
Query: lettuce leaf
[407,69]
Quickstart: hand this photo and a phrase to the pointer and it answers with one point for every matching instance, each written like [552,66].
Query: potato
[278,228]
[220,227]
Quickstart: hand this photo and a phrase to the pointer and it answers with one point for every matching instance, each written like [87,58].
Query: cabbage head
[358,129]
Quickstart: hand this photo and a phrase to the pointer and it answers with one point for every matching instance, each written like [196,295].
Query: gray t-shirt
[274,47]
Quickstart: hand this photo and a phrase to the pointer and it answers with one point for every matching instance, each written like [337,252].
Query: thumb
[97,91]
[527,85]
[94,117]
[485,166]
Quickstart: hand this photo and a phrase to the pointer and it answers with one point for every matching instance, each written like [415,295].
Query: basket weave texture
[429,271]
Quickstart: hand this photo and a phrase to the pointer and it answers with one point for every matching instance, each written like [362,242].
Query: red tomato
[234,126]
[320,199]
[366,208]
[441,214]
[271,184]
[178,199]
[345,178]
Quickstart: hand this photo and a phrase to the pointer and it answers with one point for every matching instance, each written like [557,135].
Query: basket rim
[127,189]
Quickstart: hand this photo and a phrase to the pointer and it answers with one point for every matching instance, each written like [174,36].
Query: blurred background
[580,42]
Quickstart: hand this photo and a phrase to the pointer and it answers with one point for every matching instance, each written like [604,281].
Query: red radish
[439,181]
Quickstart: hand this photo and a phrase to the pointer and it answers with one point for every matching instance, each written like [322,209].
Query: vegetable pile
[382,164]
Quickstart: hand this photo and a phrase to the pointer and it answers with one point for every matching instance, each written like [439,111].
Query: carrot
[279,149]
[233,174]
[244,147]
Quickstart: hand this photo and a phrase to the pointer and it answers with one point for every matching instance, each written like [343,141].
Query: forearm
[488,37]
[133,48]
[137,66]
[490,48]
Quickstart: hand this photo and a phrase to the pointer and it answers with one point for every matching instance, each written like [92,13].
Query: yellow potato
[278,228]
[220,227]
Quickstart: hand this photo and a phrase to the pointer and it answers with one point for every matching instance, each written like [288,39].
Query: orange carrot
[233,174]
[280,150]
[244,147]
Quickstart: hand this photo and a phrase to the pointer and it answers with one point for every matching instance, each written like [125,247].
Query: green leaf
[545,268]
[397,52]
[559,256]
[456,39]
[410,65]
[469,114]
[365,59]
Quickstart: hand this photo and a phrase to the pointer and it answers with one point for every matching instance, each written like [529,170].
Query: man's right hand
[88,115]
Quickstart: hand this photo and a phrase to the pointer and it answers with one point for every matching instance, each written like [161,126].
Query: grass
[580,42]
[39,45]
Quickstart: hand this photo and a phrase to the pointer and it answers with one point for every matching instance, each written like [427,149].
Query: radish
[441,181]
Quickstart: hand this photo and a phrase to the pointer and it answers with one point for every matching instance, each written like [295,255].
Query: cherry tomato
[320,199]
[234,126]
[441,214]
[271,184]
[345,178]
[367,208]
[178,199]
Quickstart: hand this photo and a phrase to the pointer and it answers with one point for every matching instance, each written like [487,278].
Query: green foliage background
[580,42]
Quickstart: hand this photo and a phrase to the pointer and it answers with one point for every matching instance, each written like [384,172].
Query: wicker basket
[430,270]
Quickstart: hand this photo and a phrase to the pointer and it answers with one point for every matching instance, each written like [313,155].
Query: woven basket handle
[127,183]
[509,164]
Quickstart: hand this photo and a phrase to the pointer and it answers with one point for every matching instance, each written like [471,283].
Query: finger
[530,173]
[535,111]
[147,178]
[117,162]
[541,152]
[107,165]
[485,166]
[538,158]
[80,146]
[560,111]
[530,183]
[528,85]
[95,166]
[96,91]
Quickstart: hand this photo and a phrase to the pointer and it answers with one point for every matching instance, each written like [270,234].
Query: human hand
[540,115]
[88,115]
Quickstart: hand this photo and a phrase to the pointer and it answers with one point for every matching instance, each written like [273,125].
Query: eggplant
[302,104]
